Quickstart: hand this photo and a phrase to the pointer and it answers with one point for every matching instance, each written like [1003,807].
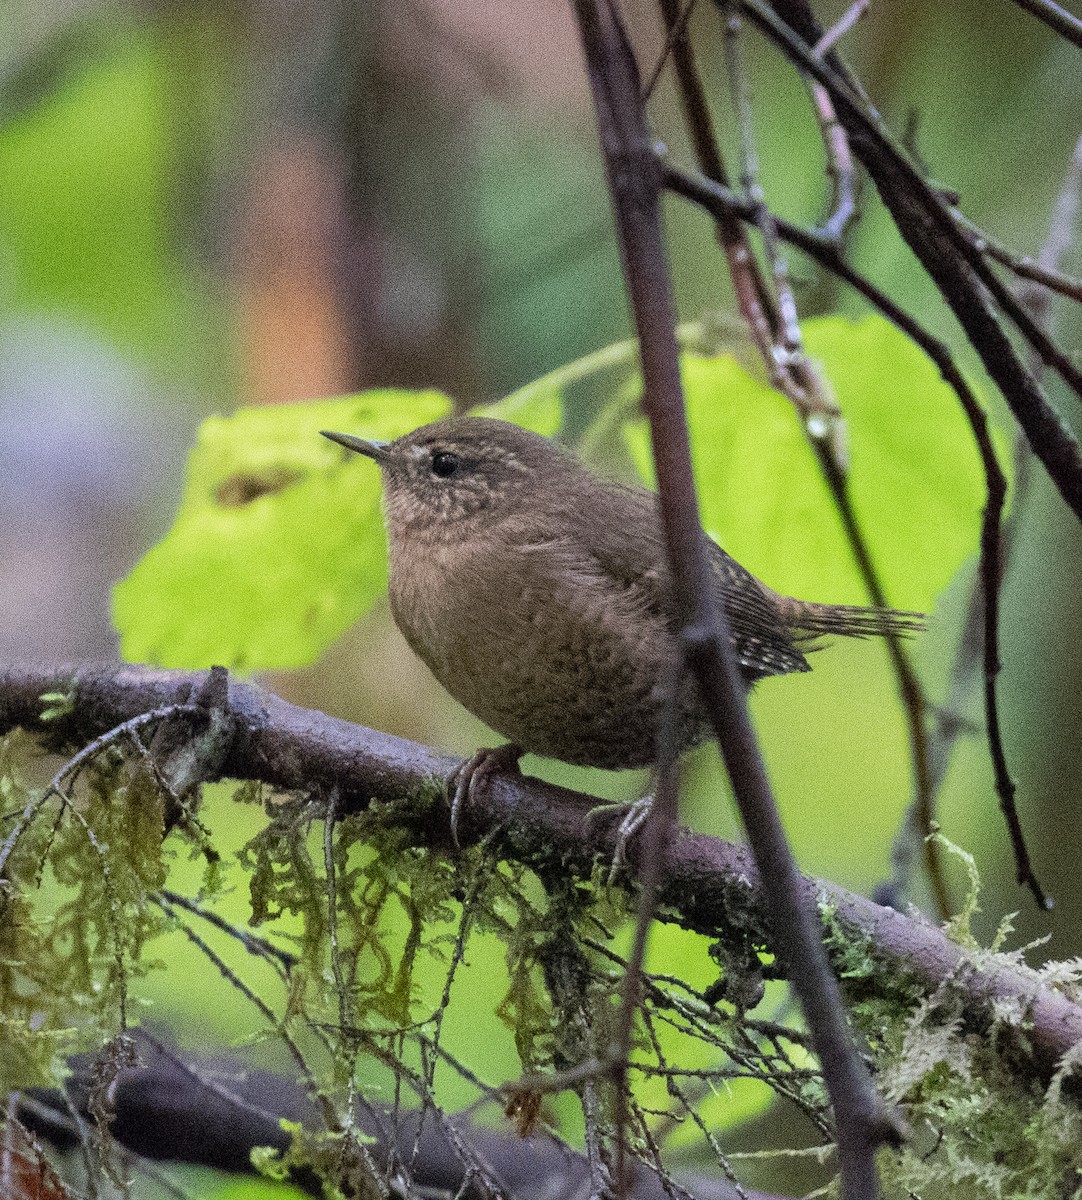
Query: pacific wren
[539,596]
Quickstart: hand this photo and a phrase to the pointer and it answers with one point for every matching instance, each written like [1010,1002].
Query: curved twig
[787,365]
[826,253]
[924,219]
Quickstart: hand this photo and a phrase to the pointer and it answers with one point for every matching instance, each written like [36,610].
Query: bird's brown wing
[624,534]
[763,641]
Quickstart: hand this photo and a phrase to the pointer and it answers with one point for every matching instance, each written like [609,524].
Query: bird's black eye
[444,464]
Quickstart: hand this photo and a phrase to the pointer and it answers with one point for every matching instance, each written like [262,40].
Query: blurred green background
[206,206]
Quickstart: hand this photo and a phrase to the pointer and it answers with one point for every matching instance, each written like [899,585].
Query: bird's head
[460,469]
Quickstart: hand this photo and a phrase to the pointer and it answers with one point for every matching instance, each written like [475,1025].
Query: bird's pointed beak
[370,449]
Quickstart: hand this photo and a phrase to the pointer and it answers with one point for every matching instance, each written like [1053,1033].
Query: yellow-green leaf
[278,546]
[915,477]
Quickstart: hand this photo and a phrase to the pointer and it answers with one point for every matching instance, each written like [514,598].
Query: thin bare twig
[342,990]
[1055,17]
[676,32]
[1036,300]
[926,222]
[796,376]
[1033,270]
[938,244]
[792,373]
[862,1120]
[835,142]
[843,208]
[660,828]
[825,252]
[992,561]
[753,297]
[281,961]
[266,1012]
[172,1109]
[788,326]
[841,27]
[958,266]
[1061,234]
[787,364]
[1062,230]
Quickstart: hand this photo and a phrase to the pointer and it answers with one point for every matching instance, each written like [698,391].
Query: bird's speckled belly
[552,669]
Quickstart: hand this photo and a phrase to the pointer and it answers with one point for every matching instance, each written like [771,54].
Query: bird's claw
[470,775]
[636,814]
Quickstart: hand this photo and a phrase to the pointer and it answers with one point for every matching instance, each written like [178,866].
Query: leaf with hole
[278,546]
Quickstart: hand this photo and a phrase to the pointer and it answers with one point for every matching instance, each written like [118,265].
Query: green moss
[369,981]
[980,1128]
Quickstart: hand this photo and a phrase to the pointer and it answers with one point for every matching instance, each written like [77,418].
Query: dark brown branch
[1055,17]
[1037,296]
[1060,236]
[636,198]
[790,370]
[825,252]
[722,203]
[709,885]
[956,264]
[921,212]
[180,1111]
[945,250]
[861,1119]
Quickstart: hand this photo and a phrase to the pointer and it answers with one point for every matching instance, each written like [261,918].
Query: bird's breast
[540,644]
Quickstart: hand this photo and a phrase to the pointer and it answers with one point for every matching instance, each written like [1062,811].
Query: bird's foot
[636,814]
[469,776]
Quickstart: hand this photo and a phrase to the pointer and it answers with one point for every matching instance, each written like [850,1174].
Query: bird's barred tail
[808,620]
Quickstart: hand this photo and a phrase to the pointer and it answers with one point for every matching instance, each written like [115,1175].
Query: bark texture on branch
[710,885]
[163,1111]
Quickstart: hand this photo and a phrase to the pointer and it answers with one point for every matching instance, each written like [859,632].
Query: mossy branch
[710,885]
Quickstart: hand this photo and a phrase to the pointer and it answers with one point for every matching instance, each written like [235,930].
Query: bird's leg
[636,813]
[470,775]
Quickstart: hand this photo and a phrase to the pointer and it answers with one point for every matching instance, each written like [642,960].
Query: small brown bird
[538,594]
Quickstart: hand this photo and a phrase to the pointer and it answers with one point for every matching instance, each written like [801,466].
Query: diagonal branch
[709,885]
[1067,26]
[862,1121]
[788,366]
[826,252]
[946,251]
